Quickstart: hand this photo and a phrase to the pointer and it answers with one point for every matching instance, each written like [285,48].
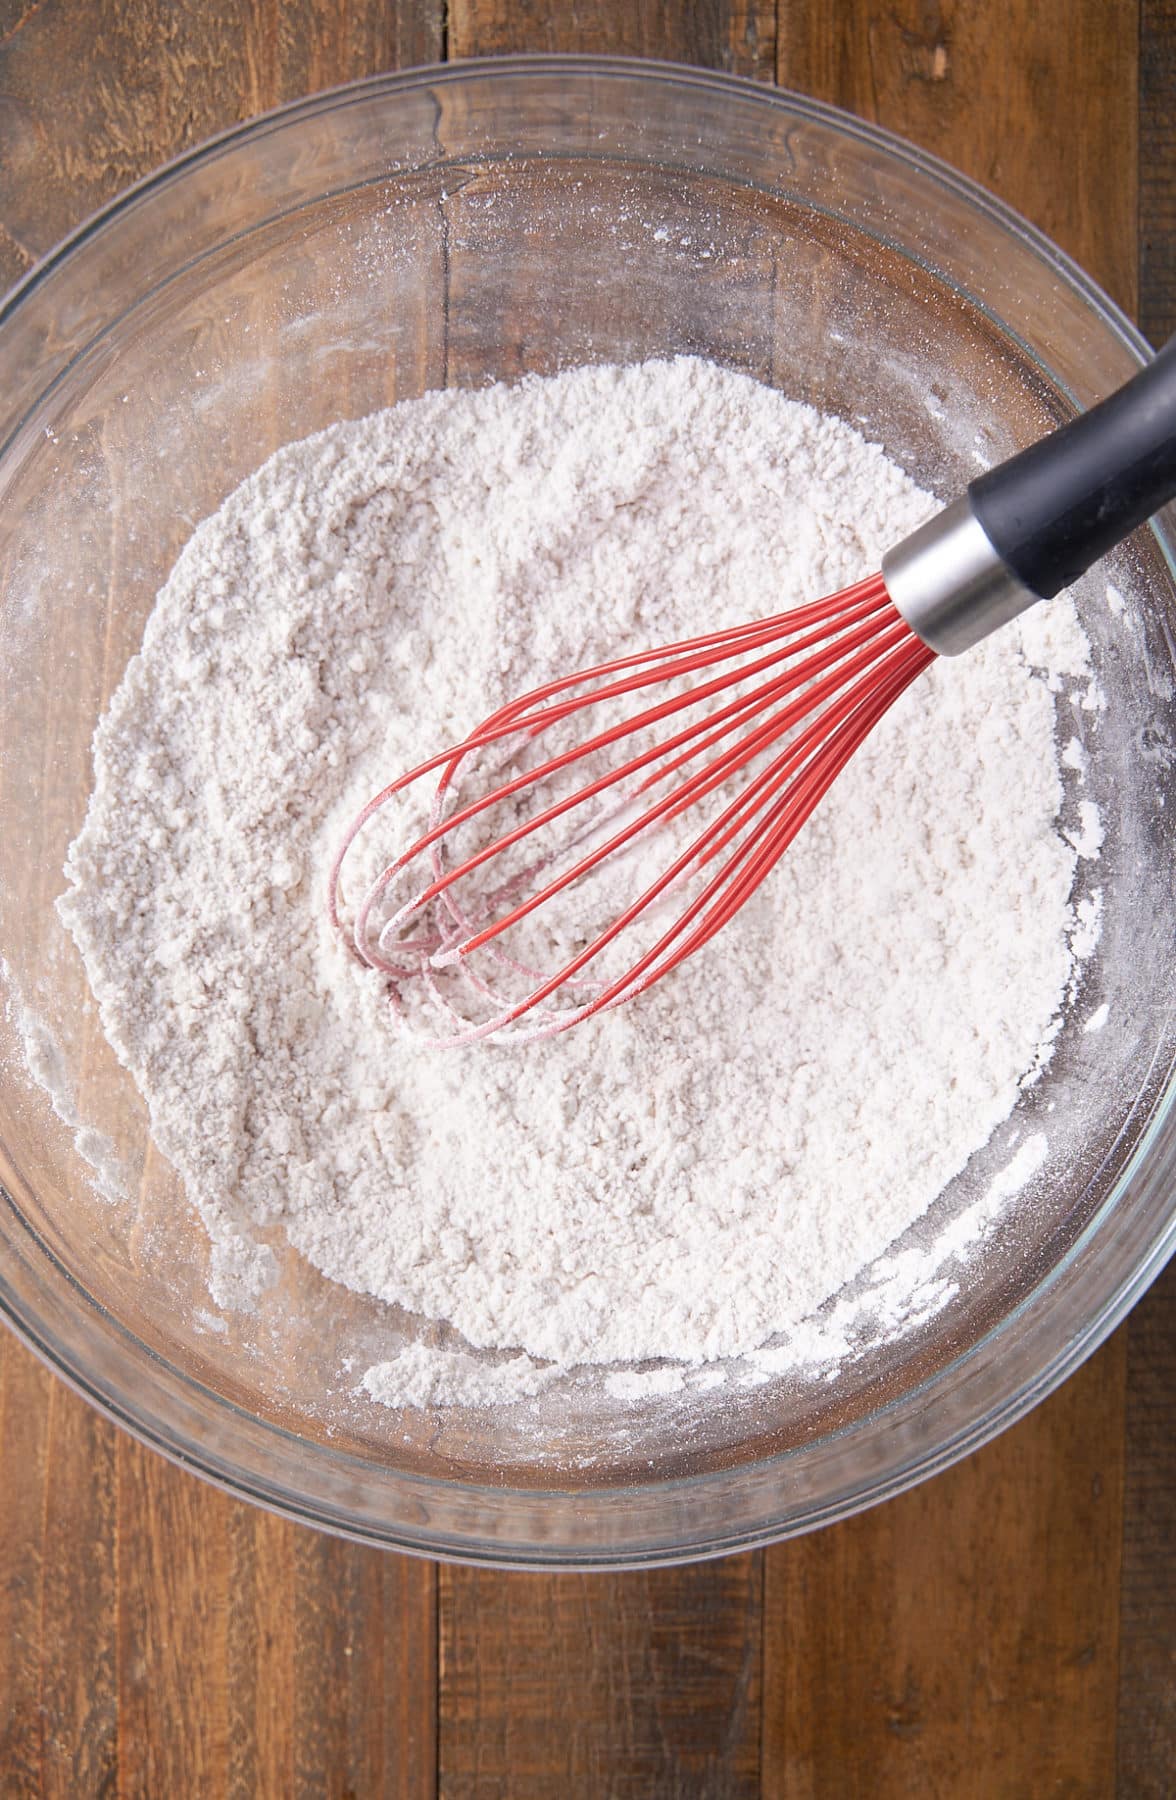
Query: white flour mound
[692,1174]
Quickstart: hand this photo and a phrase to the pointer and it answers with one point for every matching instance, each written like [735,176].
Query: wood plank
[964,1639]
[620,1685]
[79,1563]
[259,1658]
[257,1549]
[173,1671]
[1037,99]
[1157,169]
[95,95]
[960,1640]
[1147,1619]
[24,1432]
[370,1620]
[642,1685]
[157,1637]
[1147,1654]
[736,35]
[57,1650]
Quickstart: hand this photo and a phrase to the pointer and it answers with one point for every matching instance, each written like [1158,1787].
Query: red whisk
[747,729]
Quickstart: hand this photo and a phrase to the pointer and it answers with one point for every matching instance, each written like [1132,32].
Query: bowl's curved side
[436,228]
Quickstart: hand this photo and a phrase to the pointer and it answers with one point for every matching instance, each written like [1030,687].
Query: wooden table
[1007,1630]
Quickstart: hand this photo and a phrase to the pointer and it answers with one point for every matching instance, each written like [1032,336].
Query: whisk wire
[857,602]
[710,729]
[697,787]
[843,728]
[838,664]
[769,841]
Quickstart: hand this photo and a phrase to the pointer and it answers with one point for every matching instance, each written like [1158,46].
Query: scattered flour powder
[695,1173]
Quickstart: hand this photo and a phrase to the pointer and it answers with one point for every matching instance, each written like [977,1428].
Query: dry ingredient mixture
[693,1175]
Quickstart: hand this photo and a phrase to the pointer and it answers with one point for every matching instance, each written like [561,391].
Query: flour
[46,1064]
[694,1174]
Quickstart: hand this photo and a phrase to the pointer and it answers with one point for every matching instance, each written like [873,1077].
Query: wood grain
[1147,1657]
[1157,169]
[159,1638]
[95,95]
[963,1639]
[1035,98]
[736,35]
[642,1685]
[634,1685]
[954,1642]
[58,1599]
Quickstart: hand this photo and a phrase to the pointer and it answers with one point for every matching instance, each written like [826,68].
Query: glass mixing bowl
[449,227]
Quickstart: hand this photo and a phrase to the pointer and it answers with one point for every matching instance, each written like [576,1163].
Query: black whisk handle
[1055,508]
[1026,529]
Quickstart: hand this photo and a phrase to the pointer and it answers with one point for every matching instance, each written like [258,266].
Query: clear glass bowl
[452,226]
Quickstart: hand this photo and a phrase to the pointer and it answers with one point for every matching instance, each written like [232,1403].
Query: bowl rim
[205,1460]
[655,69]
